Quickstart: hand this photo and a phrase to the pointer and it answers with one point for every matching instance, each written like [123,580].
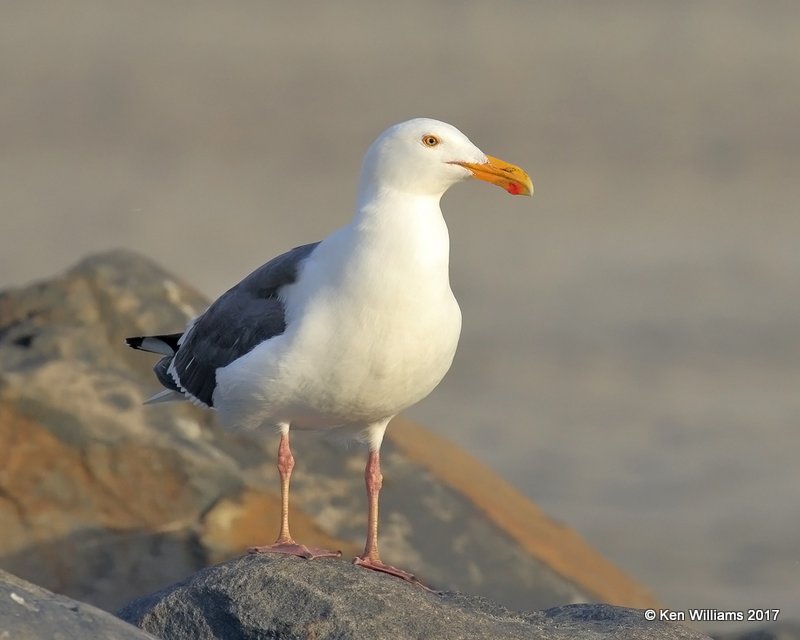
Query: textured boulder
[104,499]
[284,597]
[28,612]
[777,631]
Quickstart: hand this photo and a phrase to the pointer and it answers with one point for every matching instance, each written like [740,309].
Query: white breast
[372,328]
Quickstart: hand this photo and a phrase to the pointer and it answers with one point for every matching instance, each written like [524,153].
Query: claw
[377,565]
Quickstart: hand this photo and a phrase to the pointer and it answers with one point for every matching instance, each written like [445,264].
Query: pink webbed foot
[377,565]
[294,549]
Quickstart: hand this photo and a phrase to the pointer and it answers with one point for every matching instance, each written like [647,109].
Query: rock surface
[104,499]
[777,631]
[284,597]
[28,612]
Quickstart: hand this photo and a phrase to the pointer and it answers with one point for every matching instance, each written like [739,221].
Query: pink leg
[370,558]
[285,543]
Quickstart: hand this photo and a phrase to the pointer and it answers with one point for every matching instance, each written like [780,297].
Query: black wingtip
[166,345]
[134,343]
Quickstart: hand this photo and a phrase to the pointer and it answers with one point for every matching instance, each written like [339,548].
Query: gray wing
[241,318]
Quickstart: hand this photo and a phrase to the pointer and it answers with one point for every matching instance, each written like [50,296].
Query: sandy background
[632,334]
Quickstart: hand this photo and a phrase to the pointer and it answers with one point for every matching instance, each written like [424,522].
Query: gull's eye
[430,140]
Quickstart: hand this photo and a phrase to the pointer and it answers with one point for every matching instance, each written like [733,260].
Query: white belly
[365,339]
[375,364]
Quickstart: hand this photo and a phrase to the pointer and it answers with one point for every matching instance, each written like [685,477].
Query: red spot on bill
[513,189]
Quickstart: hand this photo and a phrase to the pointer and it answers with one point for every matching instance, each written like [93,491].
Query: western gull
[345,333]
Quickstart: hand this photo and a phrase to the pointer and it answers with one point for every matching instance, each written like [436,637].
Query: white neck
[407,227]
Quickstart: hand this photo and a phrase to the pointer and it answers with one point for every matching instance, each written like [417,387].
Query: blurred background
[631,338]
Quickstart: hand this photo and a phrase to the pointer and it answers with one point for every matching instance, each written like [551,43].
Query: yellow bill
[504,174]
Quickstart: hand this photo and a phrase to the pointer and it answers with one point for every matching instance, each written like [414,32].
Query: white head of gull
[345,333]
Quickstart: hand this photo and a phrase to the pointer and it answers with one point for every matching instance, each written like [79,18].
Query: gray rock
[789,630]
[271,596]
[28,612]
